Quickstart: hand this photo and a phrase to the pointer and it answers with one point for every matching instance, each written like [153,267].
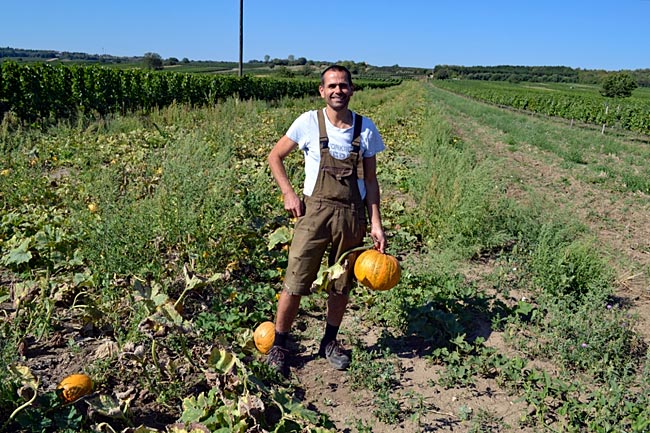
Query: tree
[284,72]
[618,85]
[153,61]
[440,73]
[306,70]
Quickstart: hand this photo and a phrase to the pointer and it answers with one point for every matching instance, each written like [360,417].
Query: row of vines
[42,91]
[632,115]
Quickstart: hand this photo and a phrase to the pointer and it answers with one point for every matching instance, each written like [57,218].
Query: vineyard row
[41,91]
[632,115]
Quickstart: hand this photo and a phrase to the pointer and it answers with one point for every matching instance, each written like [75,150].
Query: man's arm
[372,203]
[282,148]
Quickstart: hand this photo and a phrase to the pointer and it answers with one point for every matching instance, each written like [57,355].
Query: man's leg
[287,311]
[329,347]
[336,305]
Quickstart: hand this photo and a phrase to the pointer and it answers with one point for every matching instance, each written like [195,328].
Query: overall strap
[356,139]
[356,136]
[356,144]
[322,131]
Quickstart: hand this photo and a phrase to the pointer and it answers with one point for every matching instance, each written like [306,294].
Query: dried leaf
[106,406]
[23,374]
[250,405]
[107,349]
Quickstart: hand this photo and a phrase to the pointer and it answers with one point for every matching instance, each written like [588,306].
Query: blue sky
[595,34]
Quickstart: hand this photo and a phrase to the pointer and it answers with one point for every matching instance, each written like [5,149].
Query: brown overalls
[334,214]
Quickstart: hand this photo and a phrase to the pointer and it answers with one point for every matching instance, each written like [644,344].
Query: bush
[618,85]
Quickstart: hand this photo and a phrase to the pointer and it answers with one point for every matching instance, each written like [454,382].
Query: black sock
[281,339]
[331,332]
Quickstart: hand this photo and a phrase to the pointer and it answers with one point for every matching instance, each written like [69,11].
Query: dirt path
[425,405]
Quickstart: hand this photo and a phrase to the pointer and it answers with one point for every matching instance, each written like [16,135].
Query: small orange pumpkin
[74,387]
[264,336]
[377,271]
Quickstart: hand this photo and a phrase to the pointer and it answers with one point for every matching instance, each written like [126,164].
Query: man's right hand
[282,148]
[293,204]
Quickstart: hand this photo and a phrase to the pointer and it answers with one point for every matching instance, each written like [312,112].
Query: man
[340,184]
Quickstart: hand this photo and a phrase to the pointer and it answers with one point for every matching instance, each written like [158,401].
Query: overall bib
[334,214]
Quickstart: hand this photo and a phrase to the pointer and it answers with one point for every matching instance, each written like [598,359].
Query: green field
[143,249]
[577,102]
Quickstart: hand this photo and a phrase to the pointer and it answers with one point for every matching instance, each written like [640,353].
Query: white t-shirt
[304,131]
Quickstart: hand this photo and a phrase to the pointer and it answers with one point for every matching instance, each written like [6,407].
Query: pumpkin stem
[334,271]
[344,255]
[23,406]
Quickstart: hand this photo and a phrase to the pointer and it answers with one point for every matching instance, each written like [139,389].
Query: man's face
[336,90]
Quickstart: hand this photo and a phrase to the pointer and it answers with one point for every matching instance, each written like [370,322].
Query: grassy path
[535,157]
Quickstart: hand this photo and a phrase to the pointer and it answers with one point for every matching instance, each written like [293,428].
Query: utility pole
[241,37]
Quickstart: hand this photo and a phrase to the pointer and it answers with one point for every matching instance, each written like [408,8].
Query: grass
[576,146]
[569,316]
[172,264]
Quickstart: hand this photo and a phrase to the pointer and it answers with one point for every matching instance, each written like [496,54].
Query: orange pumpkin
[74,387]
[264,336]
[377,271]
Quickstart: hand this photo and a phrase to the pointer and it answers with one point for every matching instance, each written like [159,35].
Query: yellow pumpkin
[264,336]
[377,271]
[74,387]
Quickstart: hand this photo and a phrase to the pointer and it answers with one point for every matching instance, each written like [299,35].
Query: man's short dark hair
[336,68]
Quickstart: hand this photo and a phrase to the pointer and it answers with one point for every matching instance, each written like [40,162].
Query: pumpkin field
[143,249]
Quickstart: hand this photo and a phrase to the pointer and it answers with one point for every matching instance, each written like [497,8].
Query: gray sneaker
[334,353]
[277,359]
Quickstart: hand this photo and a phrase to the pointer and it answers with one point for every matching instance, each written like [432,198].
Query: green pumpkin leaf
[106,406]
[159,298]
[18,255]
[282,235]
[194,408]
[222,360]
[524,308]
[291,408]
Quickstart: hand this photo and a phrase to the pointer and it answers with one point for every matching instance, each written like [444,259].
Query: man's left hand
[379,239]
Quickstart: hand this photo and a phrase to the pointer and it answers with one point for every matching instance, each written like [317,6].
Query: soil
[428,407]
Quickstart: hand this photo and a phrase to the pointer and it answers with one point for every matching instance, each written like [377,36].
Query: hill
[545,74]
[283,67]
[301,66]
